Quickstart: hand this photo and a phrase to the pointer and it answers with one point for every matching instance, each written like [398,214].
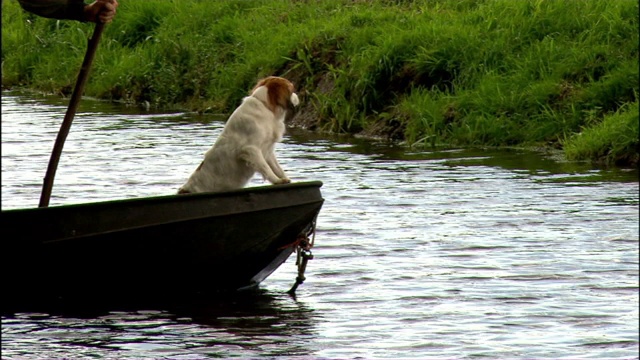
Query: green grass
[428,72]
[611,141]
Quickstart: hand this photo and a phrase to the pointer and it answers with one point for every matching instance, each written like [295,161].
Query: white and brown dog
[247,142]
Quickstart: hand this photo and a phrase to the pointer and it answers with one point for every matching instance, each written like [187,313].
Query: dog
[247,142]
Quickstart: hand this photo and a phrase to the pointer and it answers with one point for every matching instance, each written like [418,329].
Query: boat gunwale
[172,197]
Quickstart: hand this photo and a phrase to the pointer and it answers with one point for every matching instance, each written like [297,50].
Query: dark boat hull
[157,247]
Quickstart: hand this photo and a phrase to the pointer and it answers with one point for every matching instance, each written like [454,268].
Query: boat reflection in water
[256,322]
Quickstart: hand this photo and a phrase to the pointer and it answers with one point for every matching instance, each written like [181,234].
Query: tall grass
[611,141]
[430,72]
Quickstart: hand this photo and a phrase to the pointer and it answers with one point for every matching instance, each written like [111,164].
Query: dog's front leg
[252,156]
[275,166]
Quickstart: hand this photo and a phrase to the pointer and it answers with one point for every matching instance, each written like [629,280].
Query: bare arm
[99,10]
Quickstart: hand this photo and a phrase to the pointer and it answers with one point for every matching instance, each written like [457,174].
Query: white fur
[245,146]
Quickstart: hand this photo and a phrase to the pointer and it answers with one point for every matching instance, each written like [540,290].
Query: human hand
[101,11]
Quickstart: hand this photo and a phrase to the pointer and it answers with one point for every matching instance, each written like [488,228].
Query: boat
[156,247]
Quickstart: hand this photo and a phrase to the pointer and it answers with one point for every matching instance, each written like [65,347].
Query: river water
[419,254]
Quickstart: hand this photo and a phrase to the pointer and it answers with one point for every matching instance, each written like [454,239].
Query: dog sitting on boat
[247,142]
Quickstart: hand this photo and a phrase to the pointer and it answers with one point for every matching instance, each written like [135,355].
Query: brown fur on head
[279,91]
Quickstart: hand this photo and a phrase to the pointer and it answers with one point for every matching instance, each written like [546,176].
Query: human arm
[99,10]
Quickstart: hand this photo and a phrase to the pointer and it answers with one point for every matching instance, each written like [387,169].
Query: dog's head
[276,92]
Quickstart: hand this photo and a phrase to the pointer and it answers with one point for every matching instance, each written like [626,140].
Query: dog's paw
[283,181]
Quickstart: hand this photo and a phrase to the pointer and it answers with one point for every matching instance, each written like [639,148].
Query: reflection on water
[443,253]
[249,324]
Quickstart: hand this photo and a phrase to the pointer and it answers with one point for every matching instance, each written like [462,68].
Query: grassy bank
[429,72]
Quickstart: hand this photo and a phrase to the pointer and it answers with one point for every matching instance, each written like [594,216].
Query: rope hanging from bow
[303,254]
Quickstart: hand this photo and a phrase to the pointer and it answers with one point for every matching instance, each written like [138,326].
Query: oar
[68,118]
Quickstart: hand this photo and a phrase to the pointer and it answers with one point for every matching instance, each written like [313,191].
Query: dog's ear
[279,91]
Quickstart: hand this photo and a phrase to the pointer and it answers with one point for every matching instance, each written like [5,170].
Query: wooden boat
[157,246]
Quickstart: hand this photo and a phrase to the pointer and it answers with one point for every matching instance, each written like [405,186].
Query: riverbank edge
[306,122]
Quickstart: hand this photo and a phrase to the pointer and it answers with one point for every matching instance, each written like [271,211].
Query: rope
[303,255]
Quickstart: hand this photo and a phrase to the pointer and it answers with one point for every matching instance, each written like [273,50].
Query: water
[419,254]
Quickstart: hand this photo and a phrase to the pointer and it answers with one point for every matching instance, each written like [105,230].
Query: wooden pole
[68,118]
